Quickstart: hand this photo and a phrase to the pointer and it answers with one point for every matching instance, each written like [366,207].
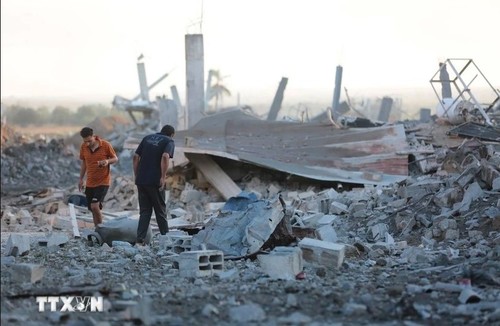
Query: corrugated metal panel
[311,150]
[472,129]
[317,151]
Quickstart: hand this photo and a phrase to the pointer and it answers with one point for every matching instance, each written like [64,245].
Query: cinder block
[338,208]
[326,233]
[57,239]
[27,273]
[176,243]
[199,263]
[282,263]
[322,252]
[17,245]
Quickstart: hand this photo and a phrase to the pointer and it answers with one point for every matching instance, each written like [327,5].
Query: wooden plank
[215,175]
[72,213]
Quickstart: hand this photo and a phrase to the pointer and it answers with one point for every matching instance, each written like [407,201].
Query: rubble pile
[35,163]
[421,251]
[8,135]
[38,164]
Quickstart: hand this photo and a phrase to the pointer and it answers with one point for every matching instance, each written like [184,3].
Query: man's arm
[112,160]
[83,170]
[164,167]
[135,163]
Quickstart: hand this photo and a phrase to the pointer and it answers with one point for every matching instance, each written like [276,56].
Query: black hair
[86,131]
[167,130]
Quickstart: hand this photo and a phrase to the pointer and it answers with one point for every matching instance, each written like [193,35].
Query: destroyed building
[272,222]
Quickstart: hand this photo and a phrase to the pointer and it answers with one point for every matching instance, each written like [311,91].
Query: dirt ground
[377,284]
[47,130]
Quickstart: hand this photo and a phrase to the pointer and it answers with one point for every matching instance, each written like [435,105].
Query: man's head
[167,130]
[88,136]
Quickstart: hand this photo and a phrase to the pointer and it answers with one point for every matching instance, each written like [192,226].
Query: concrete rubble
[285,251]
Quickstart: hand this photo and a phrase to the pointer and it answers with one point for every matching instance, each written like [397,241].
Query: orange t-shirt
[97,175]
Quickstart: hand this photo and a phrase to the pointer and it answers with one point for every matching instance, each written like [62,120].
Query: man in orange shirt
[96,155]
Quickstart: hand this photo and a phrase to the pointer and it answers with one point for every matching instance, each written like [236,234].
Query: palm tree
[217,90]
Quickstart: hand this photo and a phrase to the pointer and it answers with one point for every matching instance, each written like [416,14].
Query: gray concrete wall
[195,77]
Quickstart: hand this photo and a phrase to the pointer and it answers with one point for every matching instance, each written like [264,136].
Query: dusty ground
[48,130]
[415,284]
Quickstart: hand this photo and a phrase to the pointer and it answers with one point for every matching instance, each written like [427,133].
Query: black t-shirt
[151,150]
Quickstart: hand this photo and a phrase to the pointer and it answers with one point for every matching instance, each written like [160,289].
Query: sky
[88,49]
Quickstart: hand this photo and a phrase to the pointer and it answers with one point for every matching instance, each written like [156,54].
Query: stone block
[17,245]
[405,224]
[200,263]
[327,233]
[338,208]
[447,224]
[190,195]
[496,184]
[398,203]
[451,234]
[282,263]
[322,252]
[27,273]
[312,219]
[57,239]
[378,232]
[448,197]
[175,243]
[490,175]
[306,195]
[327,220]
[357,206]
[419,190]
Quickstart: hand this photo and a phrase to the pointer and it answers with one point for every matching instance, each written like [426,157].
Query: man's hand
[163,183]
[103,163]
[80,185]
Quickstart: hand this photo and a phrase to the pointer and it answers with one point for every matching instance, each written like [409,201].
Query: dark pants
[96,195]
[151,197]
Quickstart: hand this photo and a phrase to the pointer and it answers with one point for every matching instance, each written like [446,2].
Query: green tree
[61,115]
[24,116]
[43,114]
[85,114]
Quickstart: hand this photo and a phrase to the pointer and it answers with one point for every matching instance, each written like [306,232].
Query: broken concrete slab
[243,225]
[18,244]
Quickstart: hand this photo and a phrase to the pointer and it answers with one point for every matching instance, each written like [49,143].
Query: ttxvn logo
[71,304]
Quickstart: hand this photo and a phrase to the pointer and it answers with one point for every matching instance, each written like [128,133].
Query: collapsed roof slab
[311,150]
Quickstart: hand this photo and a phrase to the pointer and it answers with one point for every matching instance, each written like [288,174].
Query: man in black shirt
[151,160]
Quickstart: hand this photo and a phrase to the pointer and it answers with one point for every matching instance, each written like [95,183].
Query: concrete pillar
[385,109]
[143,83]
[336,93]
[168,112]
[425,115]
[195,77]
[444,77]
[278,100]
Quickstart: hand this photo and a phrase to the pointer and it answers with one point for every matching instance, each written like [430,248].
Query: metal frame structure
[462,85]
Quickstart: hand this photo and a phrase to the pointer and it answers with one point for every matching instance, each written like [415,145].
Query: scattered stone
[247,313]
